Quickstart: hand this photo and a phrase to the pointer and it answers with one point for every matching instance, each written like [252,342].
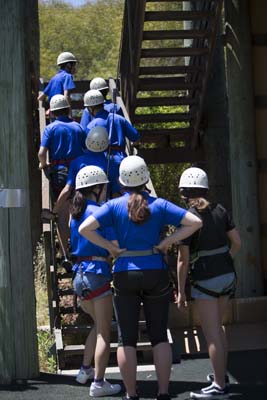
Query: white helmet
[89,176]
[58,102]
[133,171]
[194,178]
[97,139]
[98,84]
[93,97]
[65,57]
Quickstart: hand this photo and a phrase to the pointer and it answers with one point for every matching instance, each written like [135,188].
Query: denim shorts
[89,282]
[217,284]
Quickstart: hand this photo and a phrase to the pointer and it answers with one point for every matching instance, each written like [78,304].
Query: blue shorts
[90,283]
[217,284]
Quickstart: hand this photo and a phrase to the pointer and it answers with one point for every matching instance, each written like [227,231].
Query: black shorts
[151,288]
[58,179]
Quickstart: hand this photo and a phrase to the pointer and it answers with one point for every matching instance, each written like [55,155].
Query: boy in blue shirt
[119,129]
[64,140]
[101,85]
[62,82]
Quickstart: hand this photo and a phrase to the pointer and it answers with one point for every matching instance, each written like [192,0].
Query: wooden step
[179,133]
[65,292]
[174,52]
[175,34]
[177,15]
[79,348]
[167,117]
[165,101]
[170,70]
[171,155]
[170,1]
[154,84]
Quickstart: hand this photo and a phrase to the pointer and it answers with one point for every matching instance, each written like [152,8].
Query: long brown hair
[138,210]
[79,201]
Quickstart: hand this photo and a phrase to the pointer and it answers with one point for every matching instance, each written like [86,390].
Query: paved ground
[247,370]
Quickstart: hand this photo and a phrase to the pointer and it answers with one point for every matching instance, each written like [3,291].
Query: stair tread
[165,131]
[176,15]
[165,101]
[162,84]
[175,34]
[160,117]
[173,52]
[172,69]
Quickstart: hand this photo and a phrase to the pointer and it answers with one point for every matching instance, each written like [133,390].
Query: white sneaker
[84,375]
[105,390]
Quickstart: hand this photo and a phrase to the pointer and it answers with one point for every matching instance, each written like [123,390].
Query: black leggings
[153,289]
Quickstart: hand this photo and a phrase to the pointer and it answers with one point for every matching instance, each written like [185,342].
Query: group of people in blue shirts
[116,236]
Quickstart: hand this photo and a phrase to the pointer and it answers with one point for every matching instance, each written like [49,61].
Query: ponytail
[200,203]
[78,204]
[138,210]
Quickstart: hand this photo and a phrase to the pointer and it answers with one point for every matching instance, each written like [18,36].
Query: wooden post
[242,145]
[215,128]
[18,342]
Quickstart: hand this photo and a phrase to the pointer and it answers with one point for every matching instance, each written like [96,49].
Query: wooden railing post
[18,340]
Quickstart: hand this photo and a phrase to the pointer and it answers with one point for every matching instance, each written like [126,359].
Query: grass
[47,361]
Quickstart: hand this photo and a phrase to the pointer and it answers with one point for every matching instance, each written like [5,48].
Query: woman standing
[140,273]
[92,280]
[209,252]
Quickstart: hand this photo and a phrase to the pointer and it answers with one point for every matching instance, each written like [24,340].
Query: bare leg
[210,318]
[163,361]
[103,314]
[127,362]
[90,343]
[63,227]
[223,305]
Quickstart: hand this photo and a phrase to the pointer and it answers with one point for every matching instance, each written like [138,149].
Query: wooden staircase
[166,56]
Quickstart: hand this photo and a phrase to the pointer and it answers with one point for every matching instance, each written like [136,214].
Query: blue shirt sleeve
[104,215]
[173,214]
[46,138]
[68,82]
[130,131]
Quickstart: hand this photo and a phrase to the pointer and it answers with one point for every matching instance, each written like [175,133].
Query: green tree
[91,32]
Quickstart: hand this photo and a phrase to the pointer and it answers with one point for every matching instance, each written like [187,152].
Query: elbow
[199,224]
[81,230]
[237,244]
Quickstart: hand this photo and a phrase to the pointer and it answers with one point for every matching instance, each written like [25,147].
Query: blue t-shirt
[81,247]
[108,106]
[61,81]
[64,138]
[134,236]
[88,158]
[118,129]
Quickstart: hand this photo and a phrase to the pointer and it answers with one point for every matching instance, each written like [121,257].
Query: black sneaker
[211,392]
[210,378]
[130,398]
[164,396]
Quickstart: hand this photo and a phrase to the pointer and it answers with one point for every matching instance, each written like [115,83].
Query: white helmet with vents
[93,97]
[65,57]
[194,178]
[58,102]
[98,84]
[133,171]
[97,139]
[89,176]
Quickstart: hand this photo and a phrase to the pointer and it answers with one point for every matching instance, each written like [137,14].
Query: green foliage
[47,362]
[91,32]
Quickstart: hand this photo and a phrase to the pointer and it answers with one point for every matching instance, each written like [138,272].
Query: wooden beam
[243,148]
[176,15]
[18,341]
[171,155]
